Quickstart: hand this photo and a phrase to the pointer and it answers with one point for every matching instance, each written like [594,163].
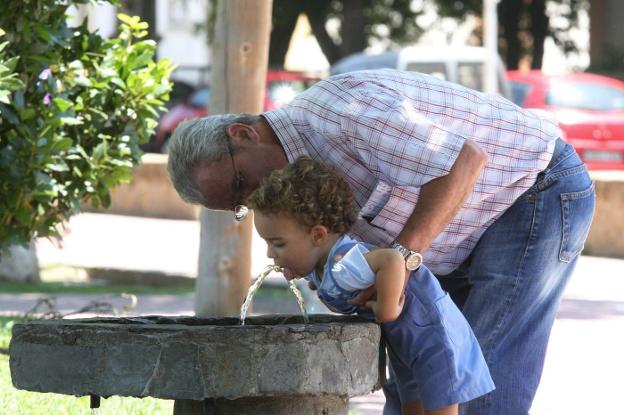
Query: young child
[303,213]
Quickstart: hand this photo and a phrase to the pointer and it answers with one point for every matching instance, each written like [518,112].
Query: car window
[585,96]
[282,92]
[519,92]
[437,69]
[470,75]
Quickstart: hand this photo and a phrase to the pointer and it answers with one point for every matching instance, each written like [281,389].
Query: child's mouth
[289,274]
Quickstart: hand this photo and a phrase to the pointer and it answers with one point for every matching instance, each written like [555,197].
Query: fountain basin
[188,358]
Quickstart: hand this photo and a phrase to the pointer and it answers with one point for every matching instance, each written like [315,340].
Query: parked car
[281,88]
[463,65]
[589,108]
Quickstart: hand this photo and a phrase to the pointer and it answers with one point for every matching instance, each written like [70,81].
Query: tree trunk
[240,52]
[20,264]
[352,34]
[284,21]
[539,29]
[509,12]
[317,15]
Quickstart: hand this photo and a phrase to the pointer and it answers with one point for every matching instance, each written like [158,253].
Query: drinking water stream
[256,285]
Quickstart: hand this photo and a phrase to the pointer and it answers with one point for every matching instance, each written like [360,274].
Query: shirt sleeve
[352,272]
[399,143]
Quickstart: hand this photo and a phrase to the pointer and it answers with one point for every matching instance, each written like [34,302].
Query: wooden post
[239,65]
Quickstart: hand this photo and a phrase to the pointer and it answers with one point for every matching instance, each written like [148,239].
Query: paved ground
[585,360]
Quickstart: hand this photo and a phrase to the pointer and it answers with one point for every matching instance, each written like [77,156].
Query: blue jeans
[510,287]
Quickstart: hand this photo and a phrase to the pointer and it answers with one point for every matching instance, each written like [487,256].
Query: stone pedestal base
[288,405]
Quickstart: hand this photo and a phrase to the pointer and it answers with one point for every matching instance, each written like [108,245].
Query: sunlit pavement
[585,360]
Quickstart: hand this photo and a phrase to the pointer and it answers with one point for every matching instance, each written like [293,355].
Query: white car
[463,65]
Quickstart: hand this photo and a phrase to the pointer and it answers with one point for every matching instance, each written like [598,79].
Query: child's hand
[374,306]
[363,297]
[371,305]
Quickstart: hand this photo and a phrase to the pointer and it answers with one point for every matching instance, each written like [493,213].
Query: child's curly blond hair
[310,192]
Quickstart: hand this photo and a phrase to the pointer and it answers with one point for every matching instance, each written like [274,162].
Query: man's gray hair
[195,141]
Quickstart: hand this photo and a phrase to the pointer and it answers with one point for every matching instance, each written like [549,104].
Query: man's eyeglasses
[240,210]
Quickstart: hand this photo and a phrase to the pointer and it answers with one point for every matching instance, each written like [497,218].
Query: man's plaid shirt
[390,132]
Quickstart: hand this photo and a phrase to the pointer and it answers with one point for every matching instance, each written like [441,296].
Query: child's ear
[319,234]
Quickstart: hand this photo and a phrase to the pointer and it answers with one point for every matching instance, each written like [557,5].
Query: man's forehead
[203,170]
[213,180]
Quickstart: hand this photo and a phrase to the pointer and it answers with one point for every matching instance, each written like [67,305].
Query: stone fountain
[272,365]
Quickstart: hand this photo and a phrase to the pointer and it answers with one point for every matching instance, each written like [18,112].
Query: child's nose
[271,253]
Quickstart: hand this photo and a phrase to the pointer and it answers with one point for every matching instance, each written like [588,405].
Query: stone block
[186,358]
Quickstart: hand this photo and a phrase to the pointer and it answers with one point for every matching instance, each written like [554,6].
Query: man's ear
[319,234]
[241,134]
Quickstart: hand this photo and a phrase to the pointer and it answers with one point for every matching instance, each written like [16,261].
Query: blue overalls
[432,351]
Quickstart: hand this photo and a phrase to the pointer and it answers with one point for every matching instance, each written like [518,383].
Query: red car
[282,87]
[589,108]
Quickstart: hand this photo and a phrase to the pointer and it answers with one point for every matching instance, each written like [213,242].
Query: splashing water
[252,290]
[299,297]
[256,285]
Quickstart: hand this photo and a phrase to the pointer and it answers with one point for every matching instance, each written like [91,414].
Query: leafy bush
[9,80]
[74,108]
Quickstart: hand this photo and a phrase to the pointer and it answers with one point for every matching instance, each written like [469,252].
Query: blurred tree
[74,108]
[359,22]
[524,25]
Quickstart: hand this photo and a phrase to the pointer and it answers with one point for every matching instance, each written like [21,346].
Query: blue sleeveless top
[345,274]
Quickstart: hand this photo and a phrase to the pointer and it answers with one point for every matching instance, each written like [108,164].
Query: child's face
[289,244]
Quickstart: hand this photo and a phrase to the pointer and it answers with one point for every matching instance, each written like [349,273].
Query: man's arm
[438,203]
[441,198]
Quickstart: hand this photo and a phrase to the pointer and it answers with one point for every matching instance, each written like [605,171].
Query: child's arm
[390,276]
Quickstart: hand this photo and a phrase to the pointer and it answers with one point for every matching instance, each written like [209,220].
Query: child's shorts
[432,350]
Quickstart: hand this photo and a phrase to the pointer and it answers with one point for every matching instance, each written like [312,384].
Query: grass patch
[62,279]
[19,402]
[86,288]
[6,324]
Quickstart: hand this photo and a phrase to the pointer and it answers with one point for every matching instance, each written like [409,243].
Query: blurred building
[180,29]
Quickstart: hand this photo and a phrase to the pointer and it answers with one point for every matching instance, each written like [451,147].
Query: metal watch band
[413,259]
[403,250]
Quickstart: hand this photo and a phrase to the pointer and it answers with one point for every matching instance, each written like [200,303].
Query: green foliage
[9,80]
[74,108]
[6,325]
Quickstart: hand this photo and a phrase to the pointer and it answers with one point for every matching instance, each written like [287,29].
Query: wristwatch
[413,259]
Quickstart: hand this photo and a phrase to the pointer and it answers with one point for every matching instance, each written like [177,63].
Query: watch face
[413,261]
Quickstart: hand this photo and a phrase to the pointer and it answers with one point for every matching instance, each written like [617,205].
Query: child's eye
[279,245]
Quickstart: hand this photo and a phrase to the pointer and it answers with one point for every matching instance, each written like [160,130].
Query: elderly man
[487,192]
